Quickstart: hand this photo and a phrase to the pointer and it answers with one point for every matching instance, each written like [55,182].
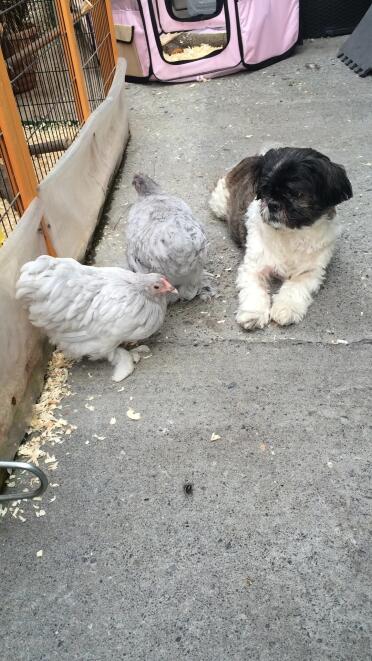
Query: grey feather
[90,311]
[164,236]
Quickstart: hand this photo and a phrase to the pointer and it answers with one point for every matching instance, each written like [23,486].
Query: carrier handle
[20,465]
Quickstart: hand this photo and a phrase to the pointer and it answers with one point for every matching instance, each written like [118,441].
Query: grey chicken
[163,235]
[90,311]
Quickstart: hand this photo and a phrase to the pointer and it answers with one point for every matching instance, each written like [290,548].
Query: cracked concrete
[268,557]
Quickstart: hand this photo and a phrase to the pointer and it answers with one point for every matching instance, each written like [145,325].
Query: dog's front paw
[250,319]
[285,313]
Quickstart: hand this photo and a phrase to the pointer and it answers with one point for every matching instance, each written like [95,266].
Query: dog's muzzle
[269,218]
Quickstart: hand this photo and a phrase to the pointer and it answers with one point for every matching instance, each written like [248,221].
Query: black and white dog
[281,204]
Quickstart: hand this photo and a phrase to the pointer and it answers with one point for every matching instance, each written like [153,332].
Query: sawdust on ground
[191,53]
[46,430]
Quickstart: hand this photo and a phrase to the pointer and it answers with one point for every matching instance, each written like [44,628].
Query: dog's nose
[273,207]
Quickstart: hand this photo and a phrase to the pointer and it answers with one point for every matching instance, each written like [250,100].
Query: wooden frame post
[18,158]
[112,29]
[15,141]
[71,49]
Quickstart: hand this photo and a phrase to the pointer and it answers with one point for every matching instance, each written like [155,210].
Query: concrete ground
[268,557]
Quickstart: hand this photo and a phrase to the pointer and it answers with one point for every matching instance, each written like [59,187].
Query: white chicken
[90,311]
[164,236]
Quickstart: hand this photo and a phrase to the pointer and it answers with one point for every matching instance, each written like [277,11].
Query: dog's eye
[300,195]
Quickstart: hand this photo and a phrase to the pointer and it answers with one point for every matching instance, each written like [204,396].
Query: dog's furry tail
[219,199]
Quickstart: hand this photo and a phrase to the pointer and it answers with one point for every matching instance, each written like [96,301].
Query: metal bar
[73,58]
[20,465]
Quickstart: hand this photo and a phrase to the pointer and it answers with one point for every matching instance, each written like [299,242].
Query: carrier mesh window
[195,43]
[185,9]
[188,46]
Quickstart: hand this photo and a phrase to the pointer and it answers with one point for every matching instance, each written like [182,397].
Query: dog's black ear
[336,185]
[257,165]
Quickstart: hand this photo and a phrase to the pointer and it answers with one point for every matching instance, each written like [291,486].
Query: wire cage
[60,60]
[10,202]
[93,35]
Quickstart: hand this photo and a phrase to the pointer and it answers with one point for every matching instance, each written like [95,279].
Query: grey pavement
[269,557]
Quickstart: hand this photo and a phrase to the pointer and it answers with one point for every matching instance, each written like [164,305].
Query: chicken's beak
[168,288]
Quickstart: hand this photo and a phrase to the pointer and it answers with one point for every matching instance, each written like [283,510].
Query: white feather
[90,311]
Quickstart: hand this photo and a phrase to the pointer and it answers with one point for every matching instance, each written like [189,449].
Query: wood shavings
[89,407]
[121,389]
[168,37]
[99,438]
[32,451]
[40,513]
[132,415]
[215,437]
[45,427]
[39,554]
[113,421]
[191,53]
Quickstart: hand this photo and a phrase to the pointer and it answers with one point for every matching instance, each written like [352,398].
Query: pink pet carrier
[181,40]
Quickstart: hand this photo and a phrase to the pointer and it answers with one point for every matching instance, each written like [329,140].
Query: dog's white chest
[288,252]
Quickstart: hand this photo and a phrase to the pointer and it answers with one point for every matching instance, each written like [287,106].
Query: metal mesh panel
[40,79]
[94,39]
[10,203]
[60,63]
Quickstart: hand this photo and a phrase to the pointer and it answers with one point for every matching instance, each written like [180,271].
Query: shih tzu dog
[282,206]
